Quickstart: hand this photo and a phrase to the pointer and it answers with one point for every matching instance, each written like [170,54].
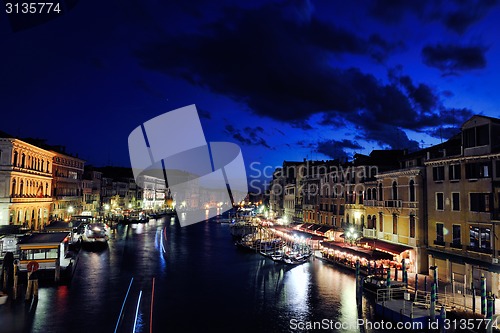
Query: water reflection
[201,275]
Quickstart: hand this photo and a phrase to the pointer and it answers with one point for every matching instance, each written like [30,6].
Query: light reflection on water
[199,274]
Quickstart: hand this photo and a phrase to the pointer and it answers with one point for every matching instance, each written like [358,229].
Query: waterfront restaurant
[370,258]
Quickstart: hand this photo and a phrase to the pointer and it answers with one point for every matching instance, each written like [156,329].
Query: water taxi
[96,232]
[49,250]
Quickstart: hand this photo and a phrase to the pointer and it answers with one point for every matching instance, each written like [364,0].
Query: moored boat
[96,232]
[3,297]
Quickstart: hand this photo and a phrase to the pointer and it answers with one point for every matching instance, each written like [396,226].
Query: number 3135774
[32,7]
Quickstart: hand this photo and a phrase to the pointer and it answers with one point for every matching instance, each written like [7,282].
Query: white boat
[96,232]
[3,298]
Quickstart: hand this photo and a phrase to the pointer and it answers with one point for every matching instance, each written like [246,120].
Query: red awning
[357,250]
[380,245]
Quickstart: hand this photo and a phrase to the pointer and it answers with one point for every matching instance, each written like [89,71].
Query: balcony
[370,233]
[479,250]
[26,199]
[393,203]
[372,203]
[25,170]
[410,204]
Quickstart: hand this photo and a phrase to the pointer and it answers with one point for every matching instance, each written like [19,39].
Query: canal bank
[202,283]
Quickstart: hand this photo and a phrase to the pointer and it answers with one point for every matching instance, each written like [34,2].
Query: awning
[307,235]
[315,227]
[358,251]
[382,246]
[306,226]
[323,229]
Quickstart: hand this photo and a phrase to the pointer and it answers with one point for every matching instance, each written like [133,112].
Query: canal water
[160,277]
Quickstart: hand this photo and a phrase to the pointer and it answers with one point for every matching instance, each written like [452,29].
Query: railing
[25,170]
[387,294]
[370,233]
[479,250]
[410,204]
[371,203]
[393,203]
[30,199]
[459,298]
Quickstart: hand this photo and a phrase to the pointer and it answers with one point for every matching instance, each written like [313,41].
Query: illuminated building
[25,183]
[463,187]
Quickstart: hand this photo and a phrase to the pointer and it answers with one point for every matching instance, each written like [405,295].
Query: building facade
[67,186]
[463,205]
[25,183]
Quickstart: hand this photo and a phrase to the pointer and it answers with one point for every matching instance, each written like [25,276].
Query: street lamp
[70,212]
[106,208]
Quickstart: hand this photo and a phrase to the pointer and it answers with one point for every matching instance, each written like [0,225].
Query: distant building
[276,194]
[92,180]
[67,185]
[25,183]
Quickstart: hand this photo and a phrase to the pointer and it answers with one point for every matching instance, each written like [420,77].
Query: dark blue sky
[284,80]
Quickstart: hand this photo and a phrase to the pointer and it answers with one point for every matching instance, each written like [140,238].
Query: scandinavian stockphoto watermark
[199,175]
[316,178]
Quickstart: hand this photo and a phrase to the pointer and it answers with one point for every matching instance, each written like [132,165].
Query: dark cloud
[389,137]
[279,131]
[249,136]
[302,124]
[251,56]
[393,11]
[453,58]
[456,16]
[148,88]
[444,132]
[204,113]
[467,13]
[336,149]
[305,144]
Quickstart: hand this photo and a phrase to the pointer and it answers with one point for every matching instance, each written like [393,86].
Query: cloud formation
[336,149]
[252,55]
[457,16]
[249,136]
[453,58]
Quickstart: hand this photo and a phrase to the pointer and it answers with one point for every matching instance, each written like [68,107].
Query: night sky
[285,80]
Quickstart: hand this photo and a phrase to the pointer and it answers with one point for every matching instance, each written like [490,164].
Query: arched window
[374,221]
[369,222]
[380,192]
[363,221]
[374,193]
[412,190]
[21,188]
[412,226]
[23,160]
[360,196]
[381,221]
[368,194]
[15,161]
[13,187]
[394,191]
[395,224]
